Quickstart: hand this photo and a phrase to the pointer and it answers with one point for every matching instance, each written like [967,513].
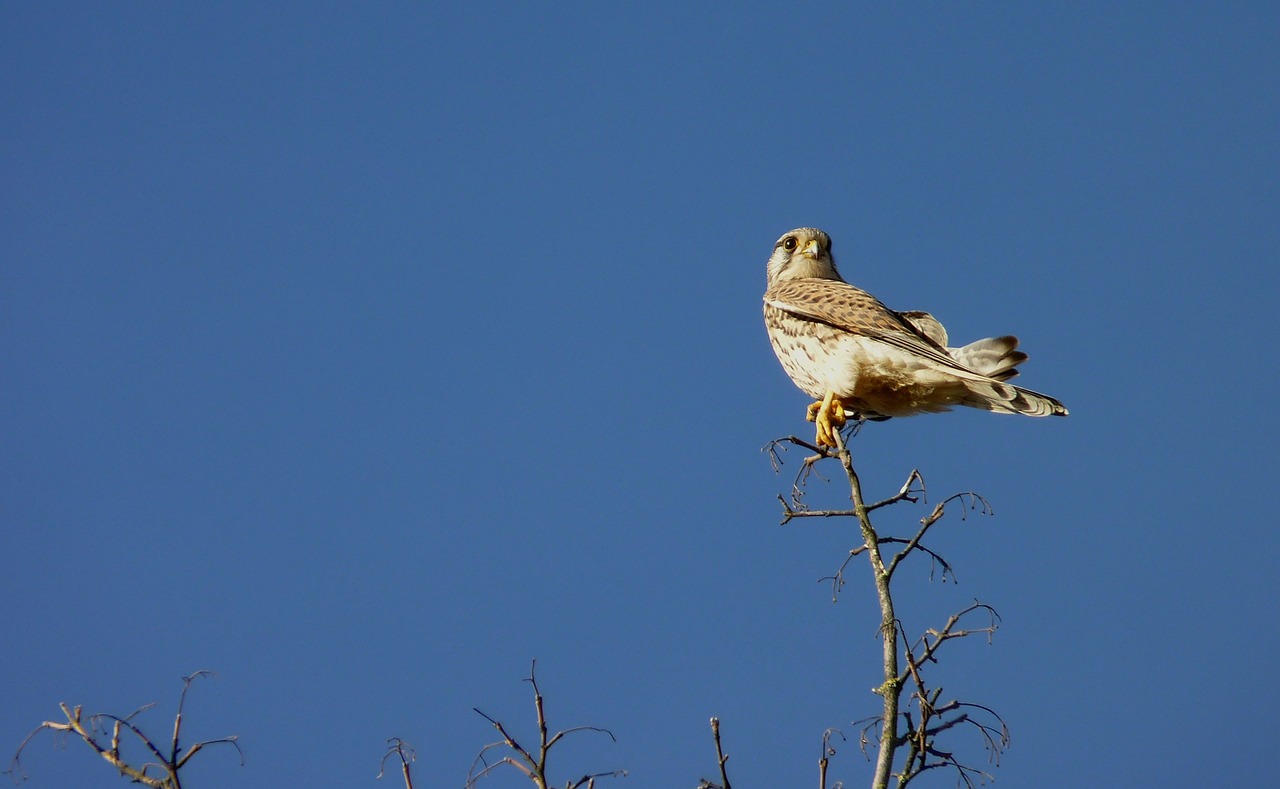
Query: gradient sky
[364,353]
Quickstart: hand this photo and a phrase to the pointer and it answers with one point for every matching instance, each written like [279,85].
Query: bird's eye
[789,243]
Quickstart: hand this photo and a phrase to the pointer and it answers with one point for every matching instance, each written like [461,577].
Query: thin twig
[406,754]
[721,761]
[827,753]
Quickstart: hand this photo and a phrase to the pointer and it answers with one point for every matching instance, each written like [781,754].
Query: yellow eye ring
[789,243]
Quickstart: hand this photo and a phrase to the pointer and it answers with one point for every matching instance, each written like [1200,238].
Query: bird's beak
[811,249]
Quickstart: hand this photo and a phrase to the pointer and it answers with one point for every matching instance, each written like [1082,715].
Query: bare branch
[473,776]
[868,734]
[995,740]
[914,731]
[968,500]
[837,580]
[598,729]
[777,446]
[936,559]
[232,740]
[721,760]
[908,492]
[773,446]
[972,500]
[507,740]
[590,780]
[406,754]
[947,633]
[115,737]
[827,752]
[177,719]
[789,511]
[98,725]
[533,767]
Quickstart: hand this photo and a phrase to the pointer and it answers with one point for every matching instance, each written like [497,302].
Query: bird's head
[802,253]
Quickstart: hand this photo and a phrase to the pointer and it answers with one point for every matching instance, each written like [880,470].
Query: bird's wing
[926,324]
[851,309]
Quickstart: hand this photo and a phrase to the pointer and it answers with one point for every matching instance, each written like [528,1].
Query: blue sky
[363,354]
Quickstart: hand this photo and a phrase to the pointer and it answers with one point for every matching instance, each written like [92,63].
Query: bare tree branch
[912,723]
[95,727]
[827,752]
[400,749]
[533,766]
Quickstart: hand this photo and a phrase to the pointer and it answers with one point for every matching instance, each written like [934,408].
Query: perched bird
[860,359]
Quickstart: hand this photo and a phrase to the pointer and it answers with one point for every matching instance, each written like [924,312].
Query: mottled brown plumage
[856,356]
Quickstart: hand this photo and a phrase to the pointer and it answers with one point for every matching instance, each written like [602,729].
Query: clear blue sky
[364,353]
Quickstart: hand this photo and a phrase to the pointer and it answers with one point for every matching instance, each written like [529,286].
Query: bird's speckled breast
[809,353]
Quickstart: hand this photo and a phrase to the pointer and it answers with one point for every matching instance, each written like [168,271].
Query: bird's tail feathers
[1010,399]
[994,357]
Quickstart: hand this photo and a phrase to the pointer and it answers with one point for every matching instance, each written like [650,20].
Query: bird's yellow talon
[829,416]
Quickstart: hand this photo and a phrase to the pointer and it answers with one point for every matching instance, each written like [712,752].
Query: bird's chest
[820,359]
[810,353]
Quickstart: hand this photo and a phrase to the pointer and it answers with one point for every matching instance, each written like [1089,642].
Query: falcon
[861,360]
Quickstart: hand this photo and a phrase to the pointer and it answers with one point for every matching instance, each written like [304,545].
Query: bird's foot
[829,416]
